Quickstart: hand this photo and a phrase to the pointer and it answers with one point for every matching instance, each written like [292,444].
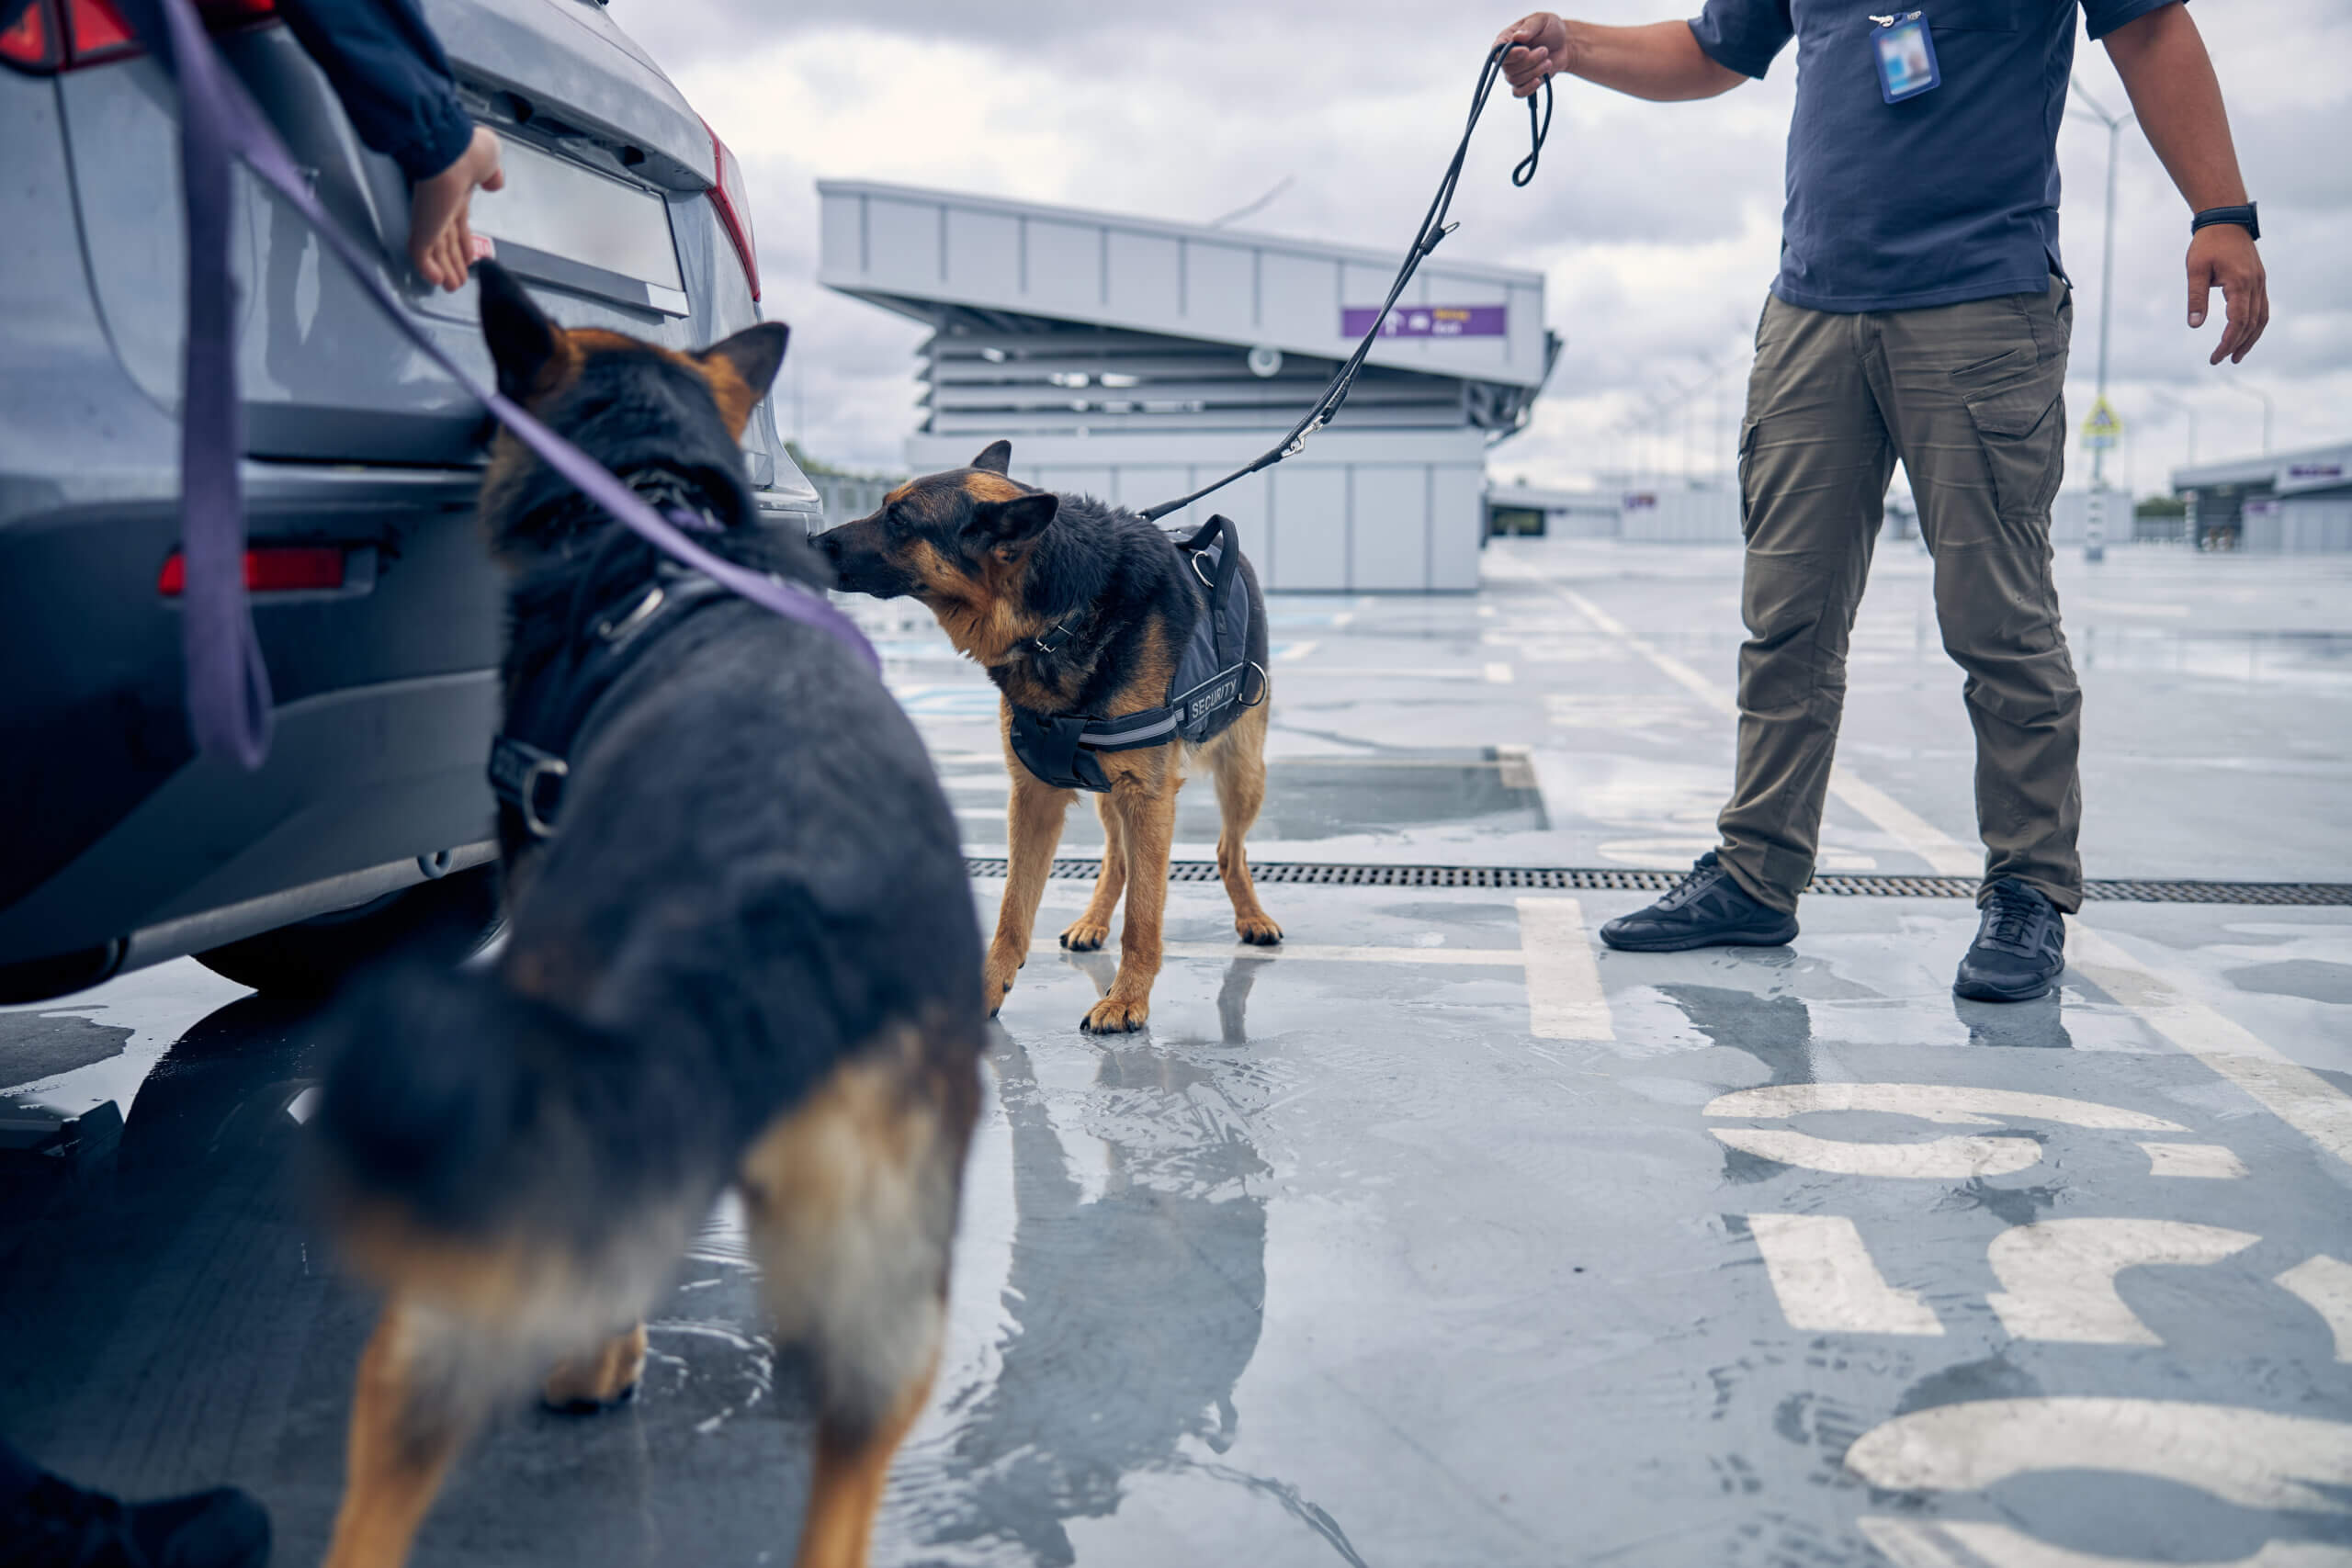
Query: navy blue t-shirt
[1949,195]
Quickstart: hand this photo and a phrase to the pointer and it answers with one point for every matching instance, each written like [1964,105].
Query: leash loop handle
[1434,228]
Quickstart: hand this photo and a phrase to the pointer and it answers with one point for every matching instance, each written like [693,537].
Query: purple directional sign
[1429,320]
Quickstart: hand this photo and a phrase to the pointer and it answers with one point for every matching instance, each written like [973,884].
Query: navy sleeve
[2101,17]
[395,82]
[1742,35]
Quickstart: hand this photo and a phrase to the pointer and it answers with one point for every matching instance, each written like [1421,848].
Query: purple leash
[229,702]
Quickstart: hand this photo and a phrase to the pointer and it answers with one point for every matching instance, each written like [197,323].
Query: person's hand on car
[440,240]
[1546,37]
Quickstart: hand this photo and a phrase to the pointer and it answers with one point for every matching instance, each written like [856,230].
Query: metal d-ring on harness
[1433,229]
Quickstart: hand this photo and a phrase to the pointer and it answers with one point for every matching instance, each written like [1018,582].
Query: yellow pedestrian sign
[2102,430]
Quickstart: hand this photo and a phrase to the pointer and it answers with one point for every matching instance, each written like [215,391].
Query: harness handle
[1433,229]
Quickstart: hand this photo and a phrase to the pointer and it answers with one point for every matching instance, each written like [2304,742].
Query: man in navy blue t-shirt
[1921,313]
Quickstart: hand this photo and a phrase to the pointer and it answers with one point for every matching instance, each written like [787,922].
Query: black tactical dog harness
[1205,695]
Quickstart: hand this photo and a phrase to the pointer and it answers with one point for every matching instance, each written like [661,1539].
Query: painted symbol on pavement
[2255,1459]
[1954,1158]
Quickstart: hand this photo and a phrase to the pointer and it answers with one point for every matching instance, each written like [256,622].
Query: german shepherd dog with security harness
[1075,608]
[744,954]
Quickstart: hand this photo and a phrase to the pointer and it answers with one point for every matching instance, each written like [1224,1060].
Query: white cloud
[1656,225]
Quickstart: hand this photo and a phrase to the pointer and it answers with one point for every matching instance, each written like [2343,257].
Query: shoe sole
[1984,993]
[1687,943]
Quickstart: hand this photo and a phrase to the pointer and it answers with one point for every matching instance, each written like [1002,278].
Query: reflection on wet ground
[1444,1236]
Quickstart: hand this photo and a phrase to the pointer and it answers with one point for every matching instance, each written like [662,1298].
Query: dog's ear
[1015,521]
[997,459]
[755,354]
[523,341]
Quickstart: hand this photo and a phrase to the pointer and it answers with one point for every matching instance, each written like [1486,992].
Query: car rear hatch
[608,200]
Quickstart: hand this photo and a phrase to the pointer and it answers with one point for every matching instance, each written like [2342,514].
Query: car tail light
[64,34]
[269,569]
[734,203]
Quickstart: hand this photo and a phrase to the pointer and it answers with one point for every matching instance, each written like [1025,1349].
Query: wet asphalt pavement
[1444,1236]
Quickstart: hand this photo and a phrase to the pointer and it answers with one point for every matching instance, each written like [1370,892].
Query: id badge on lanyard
[1905,53]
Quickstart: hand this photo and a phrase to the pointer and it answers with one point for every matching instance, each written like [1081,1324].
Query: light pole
[2248,389]
[2095,525]
[2177,405]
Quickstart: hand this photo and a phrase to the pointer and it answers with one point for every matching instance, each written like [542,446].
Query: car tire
[443,921]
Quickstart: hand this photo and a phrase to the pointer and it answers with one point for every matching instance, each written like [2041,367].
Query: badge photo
[1906,52]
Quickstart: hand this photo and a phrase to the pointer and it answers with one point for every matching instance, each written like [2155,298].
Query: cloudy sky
[1657,224]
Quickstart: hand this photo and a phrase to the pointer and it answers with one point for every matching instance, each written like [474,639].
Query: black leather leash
[1433,229]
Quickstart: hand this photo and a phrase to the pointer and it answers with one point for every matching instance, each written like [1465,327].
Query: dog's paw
[1259,930]
[605,1377]
[997,975]
[1112,1016]
[1085,936]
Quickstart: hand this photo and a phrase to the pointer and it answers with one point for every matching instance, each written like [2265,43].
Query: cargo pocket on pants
[2021,425]
[1746,441]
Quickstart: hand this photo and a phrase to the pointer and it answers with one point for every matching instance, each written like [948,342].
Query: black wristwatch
[2240,216]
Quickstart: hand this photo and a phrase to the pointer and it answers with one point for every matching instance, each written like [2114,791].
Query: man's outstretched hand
[440,240]
[1546,37]
[2223,256]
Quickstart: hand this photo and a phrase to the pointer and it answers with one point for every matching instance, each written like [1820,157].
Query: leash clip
[1299,442]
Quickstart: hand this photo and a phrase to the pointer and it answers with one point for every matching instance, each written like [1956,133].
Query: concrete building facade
[1137,360]
[2289,502]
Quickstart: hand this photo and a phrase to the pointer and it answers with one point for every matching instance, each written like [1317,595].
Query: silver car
[376,603]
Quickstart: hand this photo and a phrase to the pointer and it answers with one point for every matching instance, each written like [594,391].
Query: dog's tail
[459,1115]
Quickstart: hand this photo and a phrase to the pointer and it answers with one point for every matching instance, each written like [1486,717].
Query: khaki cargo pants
[1968,396]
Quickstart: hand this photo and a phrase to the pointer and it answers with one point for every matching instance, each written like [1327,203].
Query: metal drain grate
[1584,879]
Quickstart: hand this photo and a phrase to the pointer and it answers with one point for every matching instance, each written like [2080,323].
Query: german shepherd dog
[999,563]
[747,956]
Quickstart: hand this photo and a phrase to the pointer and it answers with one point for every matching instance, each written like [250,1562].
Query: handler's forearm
[1660,61]
[2161,59]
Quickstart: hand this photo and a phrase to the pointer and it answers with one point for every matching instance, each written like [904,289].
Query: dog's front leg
[1033,830]
[1143,796]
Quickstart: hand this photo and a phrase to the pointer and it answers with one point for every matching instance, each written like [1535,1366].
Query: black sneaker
[58,1525]
[2021,946]
[1707,910]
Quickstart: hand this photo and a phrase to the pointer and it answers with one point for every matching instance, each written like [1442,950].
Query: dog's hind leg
[604,1377]
[1238,761]
[418,1398]
[1032,828]
[1092,928]
[851,1199]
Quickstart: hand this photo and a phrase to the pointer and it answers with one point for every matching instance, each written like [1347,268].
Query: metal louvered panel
[1614,880]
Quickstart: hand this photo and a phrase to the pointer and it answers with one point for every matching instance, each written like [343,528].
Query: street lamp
[2095,525]
[2175,404]
[2249,389]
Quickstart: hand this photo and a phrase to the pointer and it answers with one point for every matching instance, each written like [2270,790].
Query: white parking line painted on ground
[1564,995]
[2059,1275]
[1472,957]
[1976,1543]
[2251,1458]
[2324,1285]
[1825,1278]
[1954,1105]
[2293,1093]
[1936,1159]
[1292,652]
[1946,856]
[1944,1159]
[2211,1162]
[1500,673]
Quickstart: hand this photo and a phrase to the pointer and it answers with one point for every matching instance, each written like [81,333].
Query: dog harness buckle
[1059,635]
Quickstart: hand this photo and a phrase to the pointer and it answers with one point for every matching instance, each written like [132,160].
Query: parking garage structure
[1137,360]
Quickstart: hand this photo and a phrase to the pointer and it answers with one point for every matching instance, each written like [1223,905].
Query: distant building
[2291,501]
[1137,360]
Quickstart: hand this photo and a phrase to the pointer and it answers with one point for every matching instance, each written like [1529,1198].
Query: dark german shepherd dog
[999,563]
[746,954]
